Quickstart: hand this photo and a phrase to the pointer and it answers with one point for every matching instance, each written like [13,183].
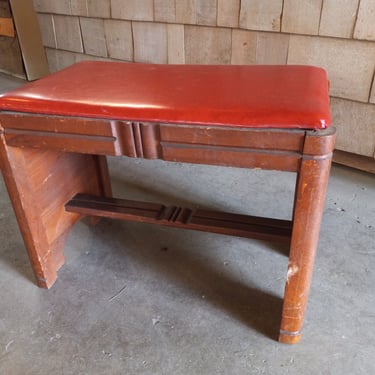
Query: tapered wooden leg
[39,183]
[309,203]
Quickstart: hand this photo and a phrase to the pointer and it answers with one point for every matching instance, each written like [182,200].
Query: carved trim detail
[138,140]
[175,214]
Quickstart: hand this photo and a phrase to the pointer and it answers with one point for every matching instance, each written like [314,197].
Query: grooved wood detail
[139,140]
[241,147]
[173,216]
[211,145]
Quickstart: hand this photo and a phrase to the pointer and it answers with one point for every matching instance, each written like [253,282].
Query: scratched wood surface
[55,171]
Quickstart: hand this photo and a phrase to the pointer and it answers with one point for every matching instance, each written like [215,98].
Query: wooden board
[360,162]
[10,51]
[30,39]
[7,27]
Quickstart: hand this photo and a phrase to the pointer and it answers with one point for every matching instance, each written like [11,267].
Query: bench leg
[39,183]
[308,209]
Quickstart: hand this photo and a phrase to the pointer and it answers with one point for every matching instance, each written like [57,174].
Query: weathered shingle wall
[338,35]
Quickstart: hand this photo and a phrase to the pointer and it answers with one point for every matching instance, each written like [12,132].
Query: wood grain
[55,171]
[179,217]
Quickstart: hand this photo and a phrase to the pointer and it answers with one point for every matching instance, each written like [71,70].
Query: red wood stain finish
[56,133]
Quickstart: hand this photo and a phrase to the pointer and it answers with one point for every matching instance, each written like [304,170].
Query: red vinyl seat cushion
[246,96]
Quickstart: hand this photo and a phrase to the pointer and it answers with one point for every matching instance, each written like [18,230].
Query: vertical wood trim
[30,39]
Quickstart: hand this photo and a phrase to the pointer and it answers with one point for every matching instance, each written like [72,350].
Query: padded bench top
[246,96]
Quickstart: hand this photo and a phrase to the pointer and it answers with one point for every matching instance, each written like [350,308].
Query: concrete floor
[141,299]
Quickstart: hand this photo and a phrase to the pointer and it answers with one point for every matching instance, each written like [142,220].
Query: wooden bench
[56,132]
